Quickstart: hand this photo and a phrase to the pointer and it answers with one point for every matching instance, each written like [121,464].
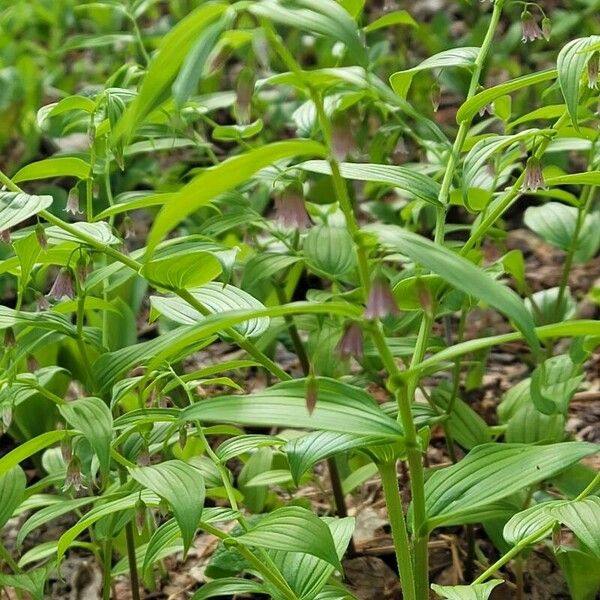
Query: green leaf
[403,178]
[265,265]
[216,298]
[460,273]
[173,50]
[582,572]
[553,384]
[491,472]
[536,518]
[53,167]
[529,426]
[323,17]
[182,486]
[242,444]
[180,272]
[340,407]
[68,104]
[229,133]
[98,512]
[32,582]
[221,178]
[96,41]
[397,17]
[255,496]
[555,223]
[305,451]
[101,232]
[229,586]
[330,249]
[12,490]
[49,513]
[465,425]
[571,63]
[293,529]
[27,250]
[16,207]
[92,417]
[29,448]
[306,574]
[195,62]
[480,591]
[455,57]
[582,517]
[472,106]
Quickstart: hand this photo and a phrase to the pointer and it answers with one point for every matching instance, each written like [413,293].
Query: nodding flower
[351,342]
[290,210]
[381,302]
[42,238]
[530,29]
[73,477]
[5,236]
[311,393]
[342,141]
[63,285]
[73,203]
[534,177]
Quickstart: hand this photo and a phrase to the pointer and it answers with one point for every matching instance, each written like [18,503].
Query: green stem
[464,126]
[293,331]
[391,492]
[130,542]
[106,569]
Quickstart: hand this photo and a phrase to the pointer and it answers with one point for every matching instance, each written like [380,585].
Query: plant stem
[106,569]
[293,331]
[391,492]
[464,126]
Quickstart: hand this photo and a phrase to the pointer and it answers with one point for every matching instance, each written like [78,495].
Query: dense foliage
[241,240]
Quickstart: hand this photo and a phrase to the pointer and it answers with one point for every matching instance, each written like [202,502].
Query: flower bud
[244,91]
[342,141]
[82,269]
[351,342]
[32,364]
[63,285]
[381,302]
[42,302]
[140,515]
[534,177]
[73,202]
[546,28]
[127,228]
[182,436]
[41,236]
[530,29]
[311,393]
[7,415]
[436,96]
[5,236]
[66,449]
[9,338]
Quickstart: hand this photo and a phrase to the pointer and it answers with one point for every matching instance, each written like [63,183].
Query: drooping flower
[342,140]
[41,236]
[127,228]
[183,436]
[73,479]
[534,177]
[140,515]
[66,449]
[530,29]
[7,415]
[546,28]
[82,270]
[63,285]
[9,338]
[351,342]
[244,91]
[290,210]
[592,70]
[381,302]
[5,236]
[436,96]
[73,202]
[42,302]
[400,153]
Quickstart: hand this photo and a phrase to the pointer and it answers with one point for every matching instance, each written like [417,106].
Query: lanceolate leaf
[93,418]
[471,107]
[340,407]
[29,448]
[229,586]
[165,66]
[180,272]
[403,178]
[32,582]
[582,517]
[293,529]
[571,62]
[456,57]
[12,489]
[460,273]
[53,167]
[224,177]
[492,472]
[17,207]
[182,486]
